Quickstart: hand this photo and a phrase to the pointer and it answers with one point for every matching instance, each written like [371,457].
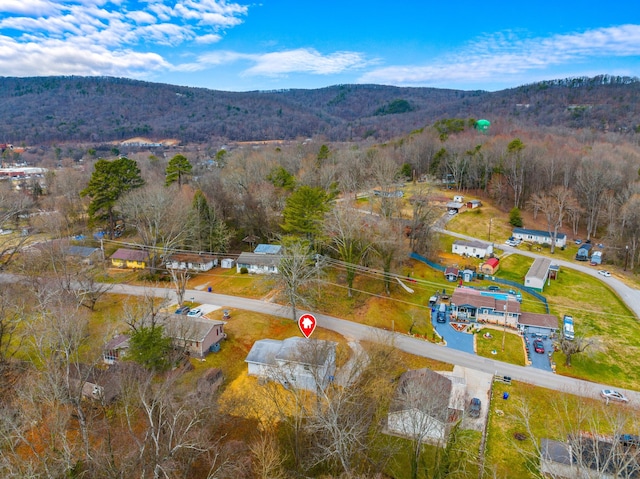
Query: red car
[538,346]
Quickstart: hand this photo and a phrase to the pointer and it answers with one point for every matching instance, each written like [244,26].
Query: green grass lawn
[512,444]
[513,347]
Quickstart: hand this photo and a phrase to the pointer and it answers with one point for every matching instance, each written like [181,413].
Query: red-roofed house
[490,266]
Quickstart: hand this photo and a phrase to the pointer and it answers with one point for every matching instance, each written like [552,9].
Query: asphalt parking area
[454,339]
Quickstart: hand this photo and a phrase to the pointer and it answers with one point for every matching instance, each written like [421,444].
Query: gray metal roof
[264,351]
[296,349]
[178,326]
[84,251]
[539,268]
[258,259]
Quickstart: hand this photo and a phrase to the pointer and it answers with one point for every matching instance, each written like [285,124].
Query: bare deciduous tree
[554,206]
[298,270]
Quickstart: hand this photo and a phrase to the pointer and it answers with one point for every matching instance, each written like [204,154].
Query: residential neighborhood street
[630,296]
[356,331]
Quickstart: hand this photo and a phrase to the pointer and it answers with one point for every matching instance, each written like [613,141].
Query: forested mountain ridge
[42,110]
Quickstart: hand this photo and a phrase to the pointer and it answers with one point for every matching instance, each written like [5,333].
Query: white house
[538,274]
[191,261]
[294,362]
[539,236]
[476,249]
[264,259]
[425,405]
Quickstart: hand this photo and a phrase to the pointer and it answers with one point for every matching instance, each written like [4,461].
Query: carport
[542,324]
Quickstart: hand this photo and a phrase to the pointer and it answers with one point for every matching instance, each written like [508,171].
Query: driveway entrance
[455,340]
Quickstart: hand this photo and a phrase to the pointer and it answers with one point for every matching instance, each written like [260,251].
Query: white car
[613,395]
[604,273]
[195,313]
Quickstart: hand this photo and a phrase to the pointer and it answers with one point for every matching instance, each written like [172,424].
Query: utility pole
[626,256]
[490,221]
[504,329]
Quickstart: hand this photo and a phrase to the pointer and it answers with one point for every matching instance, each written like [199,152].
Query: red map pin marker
[307,323]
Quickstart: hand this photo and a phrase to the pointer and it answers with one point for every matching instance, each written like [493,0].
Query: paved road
[629,295]
[356,331]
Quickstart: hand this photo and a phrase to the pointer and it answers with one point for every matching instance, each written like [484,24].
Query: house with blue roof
[539,236]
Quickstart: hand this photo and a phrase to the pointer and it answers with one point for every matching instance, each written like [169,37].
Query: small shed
[227,263]
[458,198]
[455,206]
[554,269]
[468,275]
[490,266]
[451,273]
[474,204]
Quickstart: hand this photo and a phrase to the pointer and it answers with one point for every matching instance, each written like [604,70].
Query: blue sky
[304,44]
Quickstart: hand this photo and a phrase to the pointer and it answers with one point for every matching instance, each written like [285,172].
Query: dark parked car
[183,310]
[538,346]
[493,288]
[474,407]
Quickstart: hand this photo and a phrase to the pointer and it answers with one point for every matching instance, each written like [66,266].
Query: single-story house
[538,274]
[115,349]
[451,273]
[475,249]
[490,266]
[130,258]
[294,362]
[474,204]
[258,263]
[539,236]
[425,405]
[468,304]
[86,254]
[544,324]
[199,336]
[191,261]
[264,259]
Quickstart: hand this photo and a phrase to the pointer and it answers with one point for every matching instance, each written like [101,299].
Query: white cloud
[101,36]
[305,60]
[28,7]
[495,56]
[55,57]
[208,39]
[276,64]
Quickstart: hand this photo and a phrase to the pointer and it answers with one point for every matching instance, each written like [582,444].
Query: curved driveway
[403,342]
